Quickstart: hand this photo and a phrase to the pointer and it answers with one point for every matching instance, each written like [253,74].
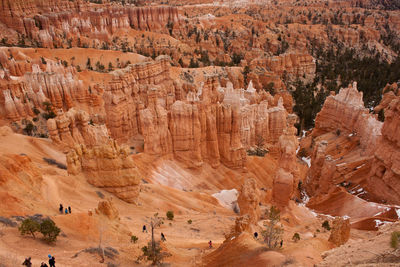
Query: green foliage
[326,225]
[29,226]
[152,252]
[189,221]
[36,111]
[236,58]
[49,230]
[193,63]
[170,215]
[296,237]
[134,239]
[259,150]
[273,232]
[29,128]
[395,239]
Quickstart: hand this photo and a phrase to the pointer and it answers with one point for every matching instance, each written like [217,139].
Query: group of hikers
[144,229]
[52,262]
[67,210]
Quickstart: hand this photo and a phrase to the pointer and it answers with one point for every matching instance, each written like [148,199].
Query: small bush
[170,215]
[29,226]
[189,221]
[134,239]
[326,225]
[296,237]
[49,230]
[394,240]
[338,132]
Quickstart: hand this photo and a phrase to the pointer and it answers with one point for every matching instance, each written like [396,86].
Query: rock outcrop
[74,127]
[107,166]
[249,199]
[340,232]
[46,23]
[107,208]
[384,180]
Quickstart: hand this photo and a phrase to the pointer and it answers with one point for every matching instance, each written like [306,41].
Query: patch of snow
[398,213]
[233,237]
[307,160]
[360,166]
[380,223]
[350,135]
[227,198]
[345,217]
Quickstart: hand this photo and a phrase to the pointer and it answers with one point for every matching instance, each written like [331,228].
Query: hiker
[281,243]
[43,265]
[210,244]
[69,209]
[66,211]
[52,262]
[61,209]
[163,237]
[144,229]
[27,262]
[255,235]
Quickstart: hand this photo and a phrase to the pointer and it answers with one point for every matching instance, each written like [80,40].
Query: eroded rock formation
[107,166]
[340,231]
[249,199]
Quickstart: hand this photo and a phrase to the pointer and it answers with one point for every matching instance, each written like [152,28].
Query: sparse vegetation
[273,232]
[29,226]
[134,239]
[152,252]
[326,225]
[259,150]
[296,237]
[170,215]
[46,227]
[189,221]
[49,230]
[395,239]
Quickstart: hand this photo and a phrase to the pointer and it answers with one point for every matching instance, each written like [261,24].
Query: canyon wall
[351,147]
[107,166]
[49,22]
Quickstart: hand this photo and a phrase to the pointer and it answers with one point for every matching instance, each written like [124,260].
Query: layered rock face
[340,231]
[48,22]
[354,117]
[249,199]
[385,168]
[73,128]
[351,145]
[287,176]
[135,95]
[107,166]
[43,83]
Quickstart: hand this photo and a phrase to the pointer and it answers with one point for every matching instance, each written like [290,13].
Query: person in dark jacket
[61,209]
[255,235]
[144,229]
[52,262]
[163,237]
[27,262]
[69,209]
